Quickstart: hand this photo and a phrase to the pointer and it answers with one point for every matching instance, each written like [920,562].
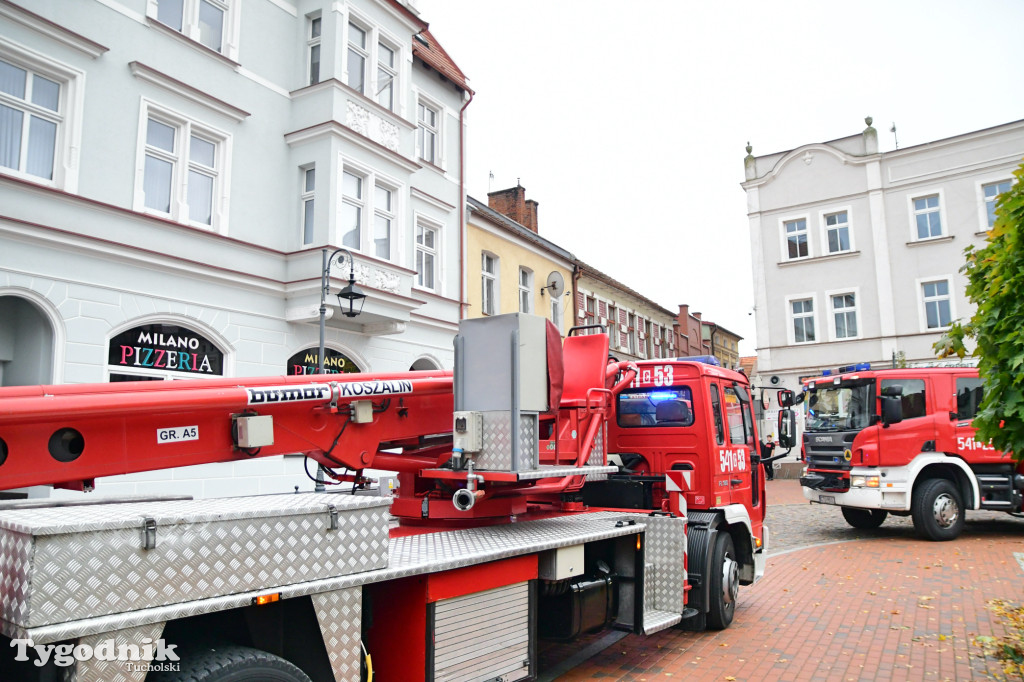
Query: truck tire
[232,663]
[724,584]
[864,519]
[938,509]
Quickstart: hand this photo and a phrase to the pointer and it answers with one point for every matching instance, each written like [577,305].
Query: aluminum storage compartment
[62,564]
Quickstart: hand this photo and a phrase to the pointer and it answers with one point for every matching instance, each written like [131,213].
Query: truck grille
[826,450]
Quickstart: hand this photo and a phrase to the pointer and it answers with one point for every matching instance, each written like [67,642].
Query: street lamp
[351,293]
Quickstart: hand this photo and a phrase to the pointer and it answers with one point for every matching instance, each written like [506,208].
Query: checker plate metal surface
[411,555]
[496,454]
[340,616]
[666,547]
[85,562]
[95,670]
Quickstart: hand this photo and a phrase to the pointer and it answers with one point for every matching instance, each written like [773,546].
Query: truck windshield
[668,406]
[840,408]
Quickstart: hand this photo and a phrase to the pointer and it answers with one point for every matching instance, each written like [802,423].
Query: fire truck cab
[901,441]
[694,418]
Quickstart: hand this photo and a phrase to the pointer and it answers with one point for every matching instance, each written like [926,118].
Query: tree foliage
[995,275]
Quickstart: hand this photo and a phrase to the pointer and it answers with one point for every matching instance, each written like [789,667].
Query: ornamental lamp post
[351,293]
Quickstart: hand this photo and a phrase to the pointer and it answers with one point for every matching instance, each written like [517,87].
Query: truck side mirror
[787,428]
[785,398]
[892,410]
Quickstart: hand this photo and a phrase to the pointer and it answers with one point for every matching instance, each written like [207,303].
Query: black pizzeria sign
[308,362]
[165,347]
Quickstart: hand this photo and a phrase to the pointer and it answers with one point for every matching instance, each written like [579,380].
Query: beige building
[510,268]
[722,343]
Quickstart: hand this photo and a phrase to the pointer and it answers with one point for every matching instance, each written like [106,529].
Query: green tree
[995,275]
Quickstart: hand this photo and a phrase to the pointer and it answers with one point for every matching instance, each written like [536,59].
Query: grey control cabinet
[502,373]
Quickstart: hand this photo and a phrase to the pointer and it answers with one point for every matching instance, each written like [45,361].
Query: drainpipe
[462,209]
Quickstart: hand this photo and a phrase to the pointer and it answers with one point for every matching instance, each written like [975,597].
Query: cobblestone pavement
[845,605]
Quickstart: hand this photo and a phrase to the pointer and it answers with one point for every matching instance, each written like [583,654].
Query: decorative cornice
[151,75]
[35,22]
[328,128]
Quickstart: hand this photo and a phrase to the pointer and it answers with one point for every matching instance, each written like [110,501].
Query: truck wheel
[937,509]
[724,584]
[865,519]
[232,663]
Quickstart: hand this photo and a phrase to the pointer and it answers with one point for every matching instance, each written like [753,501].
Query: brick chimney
[531,216]
[512,203]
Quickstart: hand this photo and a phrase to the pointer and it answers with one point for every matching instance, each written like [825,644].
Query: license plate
[827,499]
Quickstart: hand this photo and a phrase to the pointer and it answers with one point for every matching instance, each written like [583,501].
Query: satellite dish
[556,283]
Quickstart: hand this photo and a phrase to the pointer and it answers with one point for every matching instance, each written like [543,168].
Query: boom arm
[69,435]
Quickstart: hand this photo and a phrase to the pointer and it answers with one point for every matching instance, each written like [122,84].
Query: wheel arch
[736,522]
[952,469]
[287,628]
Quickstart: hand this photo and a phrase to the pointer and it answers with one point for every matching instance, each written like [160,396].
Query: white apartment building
[856,253]
[171,170]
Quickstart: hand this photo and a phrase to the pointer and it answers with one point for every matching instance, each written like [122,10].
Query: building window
[937,307]
[426,133]
[556,312]
[844,315]
[383,218]
[837,232]
[991,192]
[369,213]
[30,116]
[802,312]
[352,205]
[591,310]
[357,58]
[664,343]
[489,283]
[308,186]
[614,340]
[927,217]
[181,165]
[426,257]
[631,333]
[525,290]
[387,73]
[200,20]
[648,341]
[796,239]
[313,48]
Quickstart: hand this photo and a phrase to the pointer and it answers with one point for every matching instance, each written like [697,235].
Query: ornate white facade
[166,170]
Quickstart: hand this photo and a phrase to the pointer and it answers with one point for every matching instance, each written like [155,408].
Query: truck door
[735,458]
[755,500]
[901,442]
[721,480]
[969,392]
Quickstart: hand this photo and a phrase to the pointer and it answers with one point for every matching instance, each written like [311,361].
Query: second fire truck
[902,442]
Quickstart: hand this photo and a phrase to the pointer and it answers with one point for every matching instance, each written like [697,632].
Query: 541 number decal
[732,460]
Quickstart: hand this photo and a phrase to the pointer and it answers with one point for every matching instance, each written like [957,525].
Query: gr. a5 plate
[827,499]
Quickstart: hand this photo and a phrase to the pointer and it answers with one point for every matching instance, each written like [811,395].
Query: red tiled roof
[434,56]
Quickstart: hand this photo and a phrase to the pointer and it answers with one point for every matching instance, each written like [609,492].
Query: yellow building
[511,268]
[722,343]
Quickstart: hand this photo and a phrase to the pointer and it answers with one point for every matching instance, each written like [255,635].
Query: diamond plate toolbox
[61,564]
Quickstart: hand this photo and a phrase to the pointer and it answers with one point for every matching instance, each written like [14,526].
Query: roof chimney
[512,203]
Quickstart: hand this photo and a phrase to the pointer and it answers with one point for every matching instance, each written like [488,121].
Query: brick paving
[843,605]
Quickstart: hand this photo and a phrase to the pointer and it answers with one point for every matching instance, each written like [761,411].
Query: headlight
[864,481]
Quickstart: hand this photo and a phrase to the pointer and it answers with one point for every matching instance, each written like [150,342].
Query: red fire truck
[901,441]
[545,492]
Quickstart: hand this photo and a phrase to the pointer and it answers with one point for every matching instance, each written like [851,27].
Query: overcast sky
[627,121]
